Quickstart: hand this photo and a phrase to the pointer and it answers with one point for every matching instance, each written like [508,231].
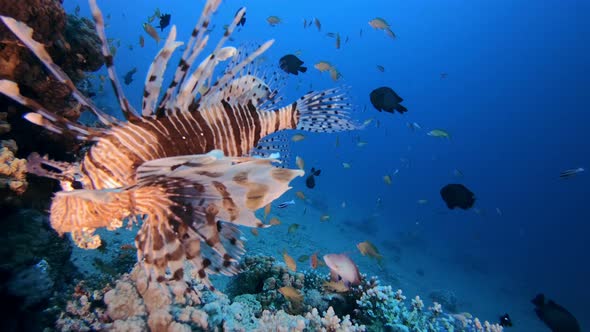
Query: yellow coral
[13,171]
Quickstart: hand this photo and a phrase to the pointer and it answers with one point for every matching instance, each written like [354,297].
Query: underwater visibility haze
[294,165]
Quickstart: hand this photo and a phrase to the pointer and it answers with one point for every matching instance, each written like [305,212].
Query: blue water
[514,102]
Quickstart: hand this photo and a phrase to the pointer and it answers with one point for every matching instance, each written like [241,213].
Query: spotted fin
[275,146]
[324,111]
[202,197]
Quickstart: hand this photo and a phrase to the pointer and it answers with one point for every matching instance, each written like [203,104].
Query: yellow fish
[378,23]
[368,249]
[273,20]
[337,287]
[439,133]
[300,162]
[387,179]
[297,138]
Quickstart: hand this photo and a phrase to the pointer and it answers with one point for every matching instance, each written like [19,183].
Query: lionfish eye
[77,184]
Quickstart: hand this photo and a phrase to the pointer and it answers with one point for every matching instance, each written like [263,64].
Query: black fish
[310,181]
[384,98]
[291,64]
[505,320]
[129,76]
[164,21]
[457,195]
[556,317]
[243,19]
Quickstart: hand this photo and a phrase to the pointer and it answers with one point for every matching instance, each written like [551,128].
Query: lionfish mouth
[184,165]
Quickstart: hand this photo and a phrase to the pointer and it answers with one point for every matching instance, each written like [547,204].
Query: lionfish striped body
[183,166]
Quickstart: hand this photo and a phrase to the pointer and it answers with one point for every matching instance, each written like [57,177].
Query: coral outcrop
[13,171]
[134,304]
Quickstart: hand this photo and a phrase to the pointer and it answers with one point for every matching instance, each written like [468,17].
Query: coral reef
[134,304]
[74,45]
[13,171]
[35,265]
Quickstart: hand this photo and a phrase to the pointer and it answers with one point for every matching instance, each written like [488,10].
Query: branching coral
[135,304]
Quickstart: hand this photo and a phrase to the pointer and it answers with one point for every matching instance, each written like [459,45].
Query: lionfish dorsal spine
[155,76]
[194,46]
[128,111]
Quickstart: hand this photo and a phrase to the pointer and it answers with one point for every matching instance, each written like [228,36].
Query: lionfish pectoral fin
[194,212]
[324,111]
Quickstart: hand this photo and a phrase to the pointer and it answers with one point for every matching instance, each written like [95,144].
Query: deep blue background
[515,102]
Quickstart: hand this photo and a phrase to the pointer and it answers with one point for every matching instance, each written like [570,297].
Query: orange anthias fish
[300,195]
[292,294]
[290,262]
[314,260]
[266,210]
[274,221]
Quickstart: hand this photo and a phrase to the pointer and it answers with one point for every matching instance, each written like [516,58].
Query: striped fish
[184,165]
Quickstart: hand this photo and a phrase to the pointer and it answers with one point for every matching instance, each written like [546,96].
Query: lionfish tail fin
[324,111]
[194,203]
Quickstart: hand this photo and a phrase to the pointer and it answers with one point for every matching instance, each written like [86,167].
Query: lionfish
[185,167]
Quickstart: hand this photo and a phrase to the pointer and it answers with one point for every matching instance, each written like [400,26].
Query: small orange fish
[275,221]
[127,246]
[290,262]
[254,231]
[300,195]
[291,294]
[266,210]
[314,260]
